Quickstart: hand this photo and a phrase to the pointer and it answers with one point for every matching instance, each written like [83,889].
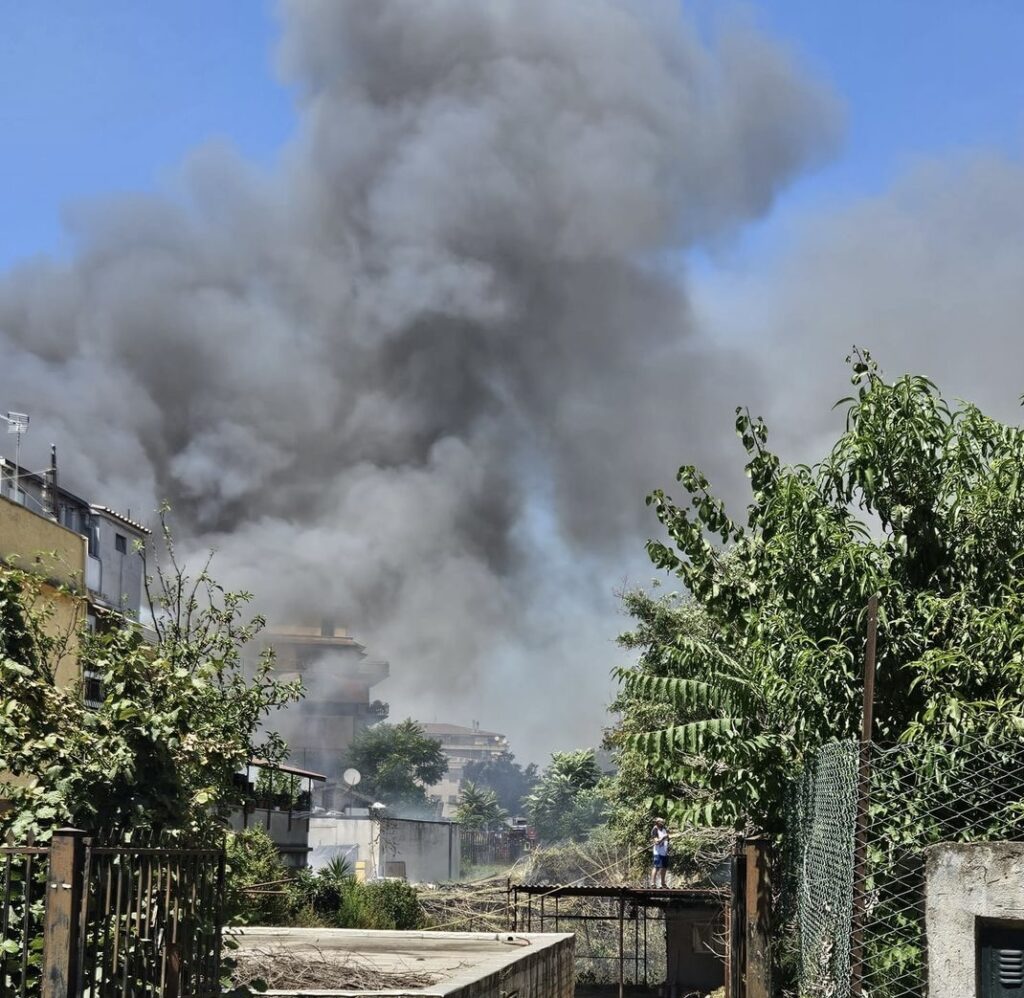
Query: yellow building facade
[57,557]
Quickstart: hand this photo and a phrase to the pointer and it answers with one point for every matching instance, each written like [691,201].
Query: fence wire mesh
[825,813]
[861,928]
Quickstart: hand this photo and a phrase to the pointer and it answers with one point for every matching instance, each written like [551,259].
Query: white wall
[350,838]
[430,850]
[966,883]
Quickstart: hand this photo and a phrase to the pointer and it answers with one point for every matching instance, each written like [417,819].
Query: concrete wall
[965,883]
[353,839]
[545,970]
[430,850]
[120,582]
[462,964]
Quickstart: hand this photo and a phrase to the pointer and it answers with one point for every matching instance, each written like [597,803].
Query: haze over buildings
[418,375]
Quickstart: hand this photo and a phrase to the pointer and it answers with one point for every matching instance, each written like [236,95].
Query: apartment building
[112,574]
[338,676]
[461,745]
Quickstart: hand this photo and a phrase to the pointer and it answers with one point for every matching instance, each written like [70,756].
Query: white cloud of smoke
[422,375]
[929,276]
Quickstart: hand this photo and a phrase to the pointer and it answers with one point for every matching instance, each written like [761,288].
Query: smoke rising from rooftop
[422,374]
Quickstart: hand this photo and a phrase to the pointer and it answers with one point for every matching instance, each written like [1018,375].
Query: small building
[677,940]
[419,850]
[462,745]
[279,801]
[338,676]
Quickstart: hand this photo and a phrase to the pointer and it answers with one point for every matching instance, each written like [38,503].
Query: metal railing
[485,848]
[22,898]
[110,919]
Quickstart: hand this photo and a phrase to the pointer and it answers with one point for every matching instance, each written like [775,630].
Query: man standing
[659,844]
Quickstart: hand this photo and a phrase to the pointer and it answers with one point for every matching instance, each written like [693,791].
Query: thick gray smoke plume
[422,375]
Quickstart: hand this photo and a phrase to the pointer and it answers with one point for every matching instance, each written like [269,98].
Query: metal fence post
[61,927]
[860,856]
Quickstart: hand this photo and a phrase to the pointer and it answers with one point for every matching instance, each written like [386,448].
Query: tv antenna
[17,422]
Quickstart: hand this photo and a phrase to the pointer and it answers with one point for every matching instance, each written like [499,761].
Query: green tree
[179,717]
[284,788]
[645,781]
[478,807]
[398,762]
[256,884]
[919,501]
[507,778]
[566,802]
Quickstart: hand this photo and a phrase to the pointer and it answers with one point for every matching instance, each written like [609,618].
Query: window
[703,940]
[121,543]
[93,688]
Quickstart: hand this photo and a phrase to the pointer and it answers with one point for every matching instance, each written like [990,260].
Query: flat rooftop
[434,964]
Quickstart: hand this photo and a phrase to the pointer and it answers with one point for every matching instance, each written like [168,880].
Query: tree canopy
[179,716]
[479,808]
[566,802]
[759,660]
[510,781]
[398,762]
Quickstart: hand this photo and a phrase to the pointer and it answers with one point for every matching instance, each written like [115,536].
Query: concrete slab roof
[456,960]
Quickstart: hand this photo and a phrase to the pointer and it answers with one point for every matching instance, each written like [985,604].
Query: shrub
[391,904]
[252,859]
[352,912]
[331,897]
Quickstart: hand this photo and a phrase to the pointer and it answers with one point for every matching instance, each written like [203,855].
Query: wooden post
[757,903]
[172,982]
[63,912]
[736,964]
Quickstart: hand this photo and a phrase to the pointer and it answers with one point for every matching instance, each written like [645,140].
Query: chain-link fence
[857,893]
[822,834]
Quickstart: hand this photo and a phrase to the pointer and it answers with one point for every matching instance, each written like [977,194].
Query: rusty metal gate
[106,918]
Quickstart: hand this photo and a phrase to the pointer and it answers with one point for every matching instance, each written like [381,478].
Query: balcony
[94,574]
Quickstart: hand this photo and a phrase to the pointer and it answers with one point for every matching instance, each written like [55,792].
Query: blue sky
[917,79]
[108,97]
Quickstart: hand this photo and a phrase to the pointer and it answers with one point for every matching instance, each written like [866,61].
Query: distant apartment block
[462,745]
[338,676]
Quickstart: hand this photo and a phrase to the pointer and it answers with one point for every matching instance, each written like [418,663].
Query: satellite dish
[351,777]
